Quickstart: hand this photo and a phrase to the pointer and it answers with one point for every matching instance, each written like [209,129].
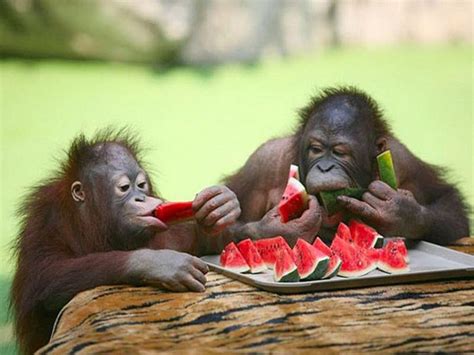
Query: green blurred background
[199,123]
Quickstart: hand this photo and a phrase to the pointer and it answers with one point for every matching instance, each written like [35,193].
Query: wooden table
[231,316]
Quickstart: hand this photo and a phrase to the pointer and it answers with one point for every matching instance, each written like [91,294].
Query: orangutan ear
[77,192]
[381,145]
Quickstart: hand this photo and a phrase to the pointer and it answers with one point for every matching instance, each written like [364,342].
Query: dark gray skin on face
[334,152]
[127,200]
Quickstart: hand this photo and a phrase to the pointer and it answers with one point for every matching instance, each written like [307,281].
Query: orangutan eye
[142,185]
[315,149]
[124,188]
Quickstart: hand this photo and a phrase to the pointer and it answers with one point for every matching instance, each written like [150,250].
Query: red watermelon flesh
[232,259]
[355,260]
[392,259]
[285,267]
[344,232]
[294,172]
[399,244]
[174,212]
[294,201]
[334,260]
[312,264]
[365,236]
[268,249]
[251,256]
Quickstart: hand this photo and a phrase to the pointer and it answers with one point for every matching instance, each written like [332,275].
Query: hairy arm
[59,278]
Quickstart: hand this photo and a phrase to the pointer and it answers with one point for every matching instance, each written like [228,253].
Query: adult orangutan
[90,225]
[339,135]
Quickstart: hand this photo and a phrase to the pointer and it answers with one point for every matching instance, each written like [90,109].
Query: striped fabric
[231,316]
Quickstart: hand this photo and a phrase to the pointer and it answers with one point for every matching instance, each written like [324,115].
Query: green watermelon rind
[328,199]
[290,276]
[318,270]
[335,271]
[386,169]
[390,270]
[378,242]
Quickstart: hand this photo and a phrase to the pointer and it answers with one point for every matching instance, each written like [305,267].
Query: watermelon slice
[393,257]
[355,260]
[334,260]
[232,259]
[328,199]
[312,264]
[294,172]
[268,249]
[386,169]
[174,212]
[293,202]
[285,267]
[399,244]
[344,232]
[251,256]
[365,236]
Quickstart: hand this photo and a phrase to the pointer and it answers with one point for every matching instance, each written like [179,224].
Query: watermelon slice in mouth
[251,256]
[174,212]
[294,201]
[312,264]
[232,259]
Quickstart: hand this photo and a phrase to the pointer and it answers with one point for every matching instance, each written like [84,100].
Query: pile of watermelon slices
[355,251]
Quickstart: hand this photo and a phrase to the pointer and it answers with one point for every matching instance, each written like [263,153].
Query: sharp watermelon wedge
[393,257]
[294,172]
[294,201]
[334,260]
[232,259]
[344,232]
[312,264]
[268,249]
[355,261]
[285,267]
[251,256]
[365,236]
[174,212]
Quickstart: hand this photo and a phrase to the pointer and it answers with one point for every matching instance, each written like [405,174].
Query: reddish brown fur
[59,254]
[261,181]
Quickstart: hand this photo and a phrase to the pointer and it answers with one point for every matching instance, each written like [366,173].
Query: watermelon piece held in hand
[393,257]
[364,236]
[268,249]
[232,259]
[334,260]
[355,260]
[294,201]
[312,264]
[285,267]
[386,169]
[328,199]
[251,256]
[174,212]
[294,172]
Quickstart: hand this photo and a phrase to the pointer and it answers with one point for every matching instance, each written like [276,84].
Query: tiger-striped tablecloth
[231,316]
